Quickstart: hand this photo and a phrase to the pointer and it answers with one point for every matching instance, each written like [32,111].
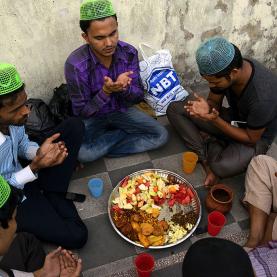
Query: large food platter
[167,210]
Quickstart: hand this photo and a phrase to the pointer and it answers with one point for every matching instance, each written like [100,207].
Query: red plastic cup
[145,264]
[216,220]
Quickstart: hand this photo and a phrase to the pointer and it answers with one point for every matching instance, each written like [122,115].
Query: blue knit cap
[214,55]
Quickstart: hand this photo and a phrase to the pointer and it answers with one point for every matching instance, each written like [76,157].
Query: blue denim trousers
[120,133]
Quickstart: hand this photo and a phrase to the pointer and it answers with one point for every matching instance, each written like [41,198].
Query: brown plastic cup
[189,161]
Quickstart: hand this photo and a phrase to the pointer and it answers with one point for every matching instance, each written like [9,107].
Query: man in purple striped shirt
[104,82]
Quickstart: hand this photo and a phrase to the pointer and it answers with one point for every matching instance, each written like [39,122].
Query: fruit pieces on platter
[150,191]
[141,199]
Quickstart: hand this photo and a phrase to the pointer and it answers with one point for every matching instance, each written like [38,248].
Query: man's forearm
[235,133]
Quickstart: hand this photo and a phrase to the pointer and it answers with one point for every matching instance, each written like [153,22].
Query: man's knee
[76,125]
[161,134]
[174,107]
[224,169]
[77,238]
[72,129]
[171,108]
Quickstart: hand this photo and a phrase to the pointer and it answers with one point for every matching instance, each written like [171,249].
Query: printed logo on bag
[162,80]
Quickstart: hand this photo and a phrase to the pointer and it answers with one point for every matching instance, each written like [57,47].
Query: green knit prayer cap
[95,9]
[9,79]
[5,191]
[214,55]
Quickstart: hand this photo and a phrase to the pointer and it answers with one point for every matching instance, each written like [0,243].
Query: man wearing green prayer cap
[46,212]
[104,82]
[23,255]
[226,139]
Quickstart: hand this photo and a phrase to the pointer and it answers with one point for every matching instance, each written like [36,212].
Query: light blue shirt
[12,146]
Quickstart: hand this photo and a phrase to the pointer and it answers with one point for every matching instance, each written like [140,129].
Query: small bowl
[95,186]
[219,198]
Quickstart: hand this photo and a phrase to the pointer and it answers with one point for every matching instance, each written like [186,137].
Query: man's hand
[212,116]
[121,84]
[124,79]
[110,86]
[51,267]
[49,154]
[200,108]
[70,266]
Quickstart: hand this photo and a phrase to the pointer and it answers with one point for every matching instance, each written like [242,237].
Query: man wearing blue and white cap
[245,129]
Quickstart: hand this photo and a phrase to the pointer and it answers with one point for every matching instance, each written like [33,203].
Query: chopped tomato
[186,200]
[116,208]
[155,189]
[182,189]
[171,202]
[137,190]
[161,201]
[124,182]
[190,193]
[147,184]
[158,201]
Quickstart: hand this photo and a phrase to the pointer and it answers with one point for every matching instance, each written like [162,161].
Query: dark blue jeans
[121,133]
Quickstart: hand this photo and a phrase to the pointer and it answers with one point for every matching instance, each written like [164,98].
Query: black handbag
[40,120]
[60,104]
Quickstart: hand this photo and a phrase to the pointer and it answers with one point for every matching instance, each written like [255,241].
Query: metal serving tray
[195,205]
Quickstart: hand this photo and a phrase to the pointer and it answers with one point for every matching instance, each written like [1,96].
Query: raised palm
[48,145]
[52,266]
[200,107]
[124,79]
[70,267]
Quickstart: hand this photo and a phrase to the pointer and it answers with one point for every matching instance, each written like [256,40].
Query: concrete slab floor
[106,253]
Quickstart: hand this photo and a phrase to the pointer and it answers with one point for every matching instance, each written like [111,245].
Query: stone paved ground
[106,253]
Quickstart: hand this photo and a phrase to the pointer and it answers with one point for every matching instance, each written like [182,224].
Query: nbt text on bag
[160,80]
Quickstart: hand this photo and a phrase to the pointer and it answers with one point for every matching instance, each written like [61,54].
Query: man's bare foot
[253,242]
[211,178]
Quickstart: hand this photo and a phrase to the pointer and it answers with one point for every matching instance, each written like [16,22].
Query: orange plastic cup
[189,162]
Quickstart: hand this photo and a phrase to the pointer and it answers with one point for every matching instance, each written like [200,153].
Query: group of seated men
[104,82]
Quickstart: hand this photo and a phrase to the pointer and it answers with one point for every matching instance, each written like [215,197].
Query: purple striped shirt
[85,78]
[264,260]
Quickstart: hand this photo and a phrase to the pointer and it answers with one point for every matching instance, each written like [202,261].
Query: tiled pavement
[106,253]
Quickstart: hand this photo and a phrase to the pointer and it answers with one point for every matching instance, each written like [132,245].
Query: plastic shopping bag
[160,80]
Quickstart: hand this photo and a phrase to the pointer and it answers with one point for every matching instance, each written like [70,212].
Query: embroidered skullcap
[214,55]
[95,9]
[9,79]
[5,191]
